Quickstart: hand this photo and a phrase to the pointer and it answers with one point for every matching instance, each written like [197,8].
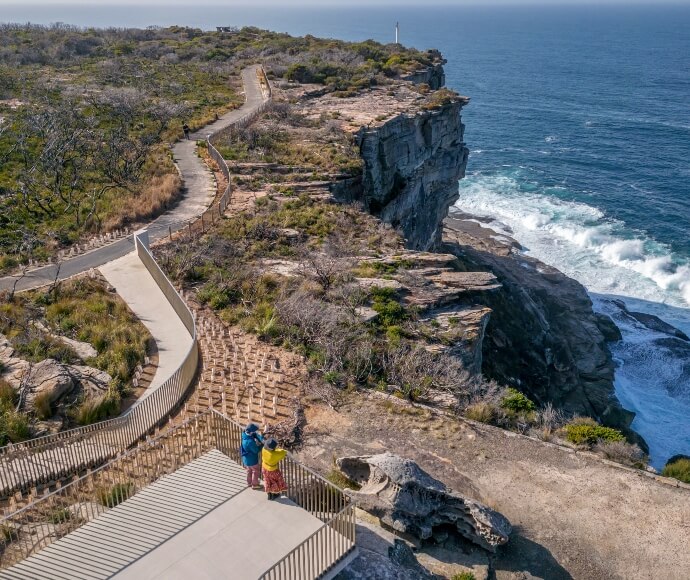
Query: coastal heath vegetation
[35,325]
[86,116]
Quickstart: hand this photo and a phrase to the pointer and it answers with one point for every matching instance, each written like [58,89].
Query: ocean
[579,128]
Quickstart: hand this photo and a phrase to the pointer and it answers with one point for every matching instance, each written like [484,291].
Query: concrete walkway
[199,191]
[199,522]
[144,297]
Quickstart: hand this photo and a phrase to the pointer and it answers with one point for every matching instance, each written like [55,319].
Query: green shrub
[515,401]
[60,516]
[14,427]
[679,469]
[115,495]
[464,576]
[589,432]
[8,396]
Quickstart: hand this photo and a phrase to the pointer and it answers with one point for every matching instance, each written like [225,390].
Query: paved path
[144,297]
[199,191]
[199,522]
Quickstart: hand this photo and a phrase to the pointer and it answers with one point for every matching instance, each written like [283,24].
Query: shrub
[8,396]
[14,427]
[679,469]
[481,412]
[116,494]
[43,406]
[515,401]
[588,432]
[97,409]
[622,452]
[464,576]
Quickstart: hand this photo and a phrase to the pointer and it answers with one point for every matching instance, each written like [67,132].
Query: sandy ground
[573,516]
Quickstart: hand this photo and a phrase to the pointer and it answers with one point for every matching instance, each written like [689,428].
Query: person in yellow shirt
[271,456]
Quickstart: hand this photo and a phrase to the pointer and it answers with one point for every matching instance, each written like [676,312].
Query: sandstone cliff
[542,335]
[412,164]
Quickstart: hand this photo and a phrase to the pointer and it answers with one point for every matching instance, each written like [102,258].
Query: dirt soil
[573,516]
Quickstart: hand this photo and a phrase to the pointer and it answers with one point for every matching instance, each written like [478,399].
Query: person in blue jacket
[250,450]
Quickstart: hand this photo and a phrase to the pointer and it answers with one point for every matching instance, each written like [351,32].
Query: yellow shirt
[270,459]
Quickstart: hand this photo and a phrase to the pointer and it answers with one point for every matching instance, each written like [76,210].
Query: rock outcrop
[48,379]
[409,500]
[543,336]
[412,164]
[434,76]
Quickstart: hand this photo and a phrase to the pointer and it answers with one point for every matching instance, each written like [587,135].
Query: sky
[323,3]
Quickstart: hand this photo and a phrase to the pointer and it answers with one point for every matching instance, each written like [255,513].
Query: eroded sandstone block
[406,498]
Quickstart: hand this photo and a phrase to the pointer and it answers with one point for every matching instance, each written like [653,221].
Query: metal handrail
[52,457]
[316,555]
[47,518]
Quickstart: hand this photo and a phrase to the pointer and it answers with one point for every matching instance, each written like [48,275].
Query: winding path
[149,294]
[199,191]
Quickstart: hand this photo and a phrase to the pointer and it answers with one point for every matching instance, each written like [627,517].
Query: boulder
[410,501]
[48,378]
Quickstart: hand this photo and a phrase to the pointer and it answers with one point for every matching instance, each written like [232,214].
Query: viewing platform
[178,507]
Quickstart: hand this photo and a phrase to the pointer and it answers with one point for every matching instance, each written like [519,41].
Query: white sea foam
[609,261]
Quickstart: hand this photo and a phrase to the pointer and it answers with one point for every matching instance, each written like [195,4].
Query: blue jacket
[250,449]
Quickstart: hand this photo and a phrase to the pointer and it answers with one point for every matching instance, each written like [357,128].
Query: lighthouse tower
[397,32]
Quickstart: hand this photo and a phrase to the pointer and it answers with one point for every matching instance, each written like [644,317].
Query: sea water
[579,128]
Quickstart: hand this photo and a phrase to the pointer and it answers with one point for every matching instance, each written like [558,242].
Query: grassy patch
[114,495]
[679,469]
[341,481]
[97,409]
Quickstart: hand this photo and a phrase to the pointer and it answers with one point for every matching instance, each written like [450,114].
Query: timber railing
[55,514]
[44,461]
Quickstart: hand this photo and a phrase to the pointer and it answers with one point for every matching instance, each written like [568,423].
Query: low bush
[464,576]
[622,452]
[482,412]
[115,494]
[43,406]
[586,431]
[678,469]
[516,402]
[97,409]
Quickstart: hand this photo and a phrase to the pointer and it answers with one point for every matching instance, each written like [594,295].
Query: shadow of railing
[47,519]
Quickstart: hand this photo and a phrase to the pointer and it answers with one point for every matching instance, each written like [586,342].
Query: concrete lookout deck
[199,522]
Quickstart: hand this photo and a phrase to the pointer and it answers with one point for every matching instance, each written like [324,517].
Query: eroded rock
[409,500]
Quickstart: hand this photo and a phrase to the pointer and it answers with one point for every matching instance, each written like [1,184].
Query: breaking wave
[611,261]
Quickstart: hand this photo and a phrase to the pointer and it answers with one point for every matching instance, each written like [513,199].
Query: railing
[222,204]
[48,518]
[45,460]
[52,516]
[320,552]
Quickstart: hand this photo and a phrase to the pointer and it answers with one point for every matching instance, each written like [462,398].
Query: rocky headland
[538,331]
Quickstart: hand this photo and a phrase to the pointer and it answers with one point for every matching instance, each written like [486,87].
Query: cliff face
[412,165]
[543,336]
[434,76]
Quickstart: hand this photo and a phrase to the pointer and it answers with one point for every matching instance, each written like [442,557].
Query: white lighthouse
[397,32]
